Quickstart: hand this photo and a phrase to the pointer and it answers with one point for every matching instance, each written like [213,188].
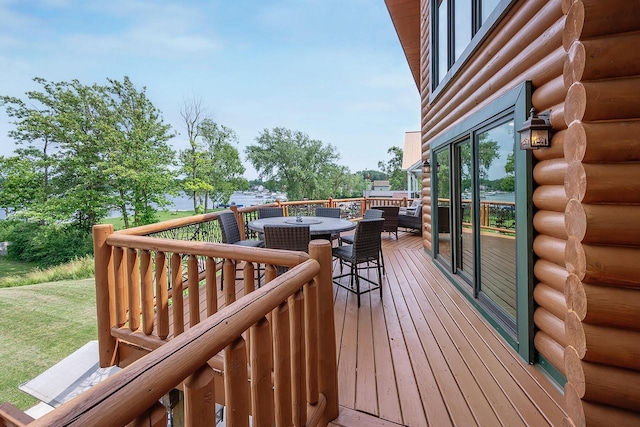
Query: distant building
[412,163]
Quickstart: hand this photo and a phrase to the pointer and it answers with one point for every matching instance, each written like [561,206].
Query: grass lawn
[118,223]
[14,268]
[41,325]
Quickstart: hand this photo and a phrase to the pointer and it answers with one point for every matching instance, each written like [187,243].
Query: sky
[333,69]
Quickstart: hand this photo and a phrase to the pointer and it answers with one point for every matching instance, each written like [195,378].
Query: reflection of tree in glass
[508,182]
[442,165]
[488,151]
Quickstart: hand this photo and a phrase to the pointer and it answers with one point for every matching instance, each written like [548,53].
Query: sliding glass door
[475,187]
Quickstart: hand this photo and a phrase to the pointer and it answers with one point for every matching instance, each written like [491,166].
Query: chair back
[390,217]
[328,212]
[289,237]
[366,240]
[372,214]
[229,227]
[270,212]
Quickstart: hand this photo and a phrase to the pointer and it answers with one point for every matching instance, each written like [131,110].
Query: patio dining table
[319,227]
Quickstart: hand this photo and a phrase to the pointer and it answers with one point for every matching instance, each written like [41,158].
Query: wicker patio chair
[365,249]
[288,237]
[269,212]
[328,212]
[390,218]
[368,214]
[231,236]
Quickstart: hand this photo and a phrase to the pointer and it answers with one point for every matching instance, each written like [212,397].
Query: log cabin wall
[525,45]
[602,217]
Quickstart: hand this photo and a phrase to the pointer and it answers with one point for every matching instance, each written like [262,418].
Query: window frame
[478,34]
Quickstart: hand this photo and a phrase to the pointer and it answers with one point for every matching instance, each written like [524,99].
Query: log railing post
[105,293]
[239,220]
[320,250]
[199,398]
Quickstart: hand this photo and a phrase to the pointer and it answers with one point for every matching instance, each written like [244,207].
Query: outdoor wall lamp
[426,167]
[535,132]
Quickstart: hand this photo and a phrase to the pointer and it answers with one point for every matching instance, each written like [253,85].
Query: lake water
[240,198]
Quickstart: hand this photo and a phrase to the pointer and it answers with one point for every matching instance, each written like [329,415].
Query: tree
[221,164]
[292,162]
[191,159]
[138,157]
[393,169]
[19,184]
[94,147]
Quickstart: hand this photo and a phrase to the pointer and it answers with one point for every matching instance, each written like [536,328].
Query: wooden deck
[424,356]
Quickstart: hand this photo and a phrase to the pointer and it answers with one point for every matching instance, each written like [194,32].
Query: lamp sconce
[535,132]
[426,167]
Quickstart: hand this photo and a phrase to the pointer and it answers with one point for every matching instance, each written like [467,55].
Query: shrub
[46,245]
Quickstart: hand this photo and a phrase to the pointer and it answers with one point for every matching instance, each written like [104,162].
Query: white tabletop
[318,225]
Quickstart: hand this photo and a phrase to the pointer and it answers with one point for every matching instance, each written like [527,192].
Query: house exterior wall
[581,57]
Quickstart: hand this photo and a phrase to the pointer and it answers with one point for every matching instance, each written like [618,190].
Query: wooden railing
[258,356]
[304,388]
[271,354]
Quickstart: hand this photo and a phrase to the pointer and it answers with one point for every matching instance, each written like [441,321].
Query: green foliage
[88,149]
[291,161]
[45,245]
[393,169]
[211,166]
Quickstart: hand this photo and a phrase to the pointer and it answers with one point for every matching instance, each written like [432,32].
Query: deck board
[450,366]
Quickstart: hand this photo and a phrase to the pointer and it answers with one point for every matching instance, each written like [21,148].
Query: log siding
[581,56]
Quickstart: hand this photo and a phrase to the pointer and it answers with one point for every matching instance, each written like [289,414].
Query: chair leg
[357,284]
[379,279]
[382,258]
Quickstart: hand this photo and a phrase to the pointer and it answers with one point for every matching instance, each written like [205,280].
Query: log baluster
[176,294]
[133,276]
[212,288]
[199,398]
[281,365]
[155,416]
[229,274]
[162,299]
[119,270]
[193,280]
[147,292]
[298,381]
[236,388]
[261,366]
[311,340]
